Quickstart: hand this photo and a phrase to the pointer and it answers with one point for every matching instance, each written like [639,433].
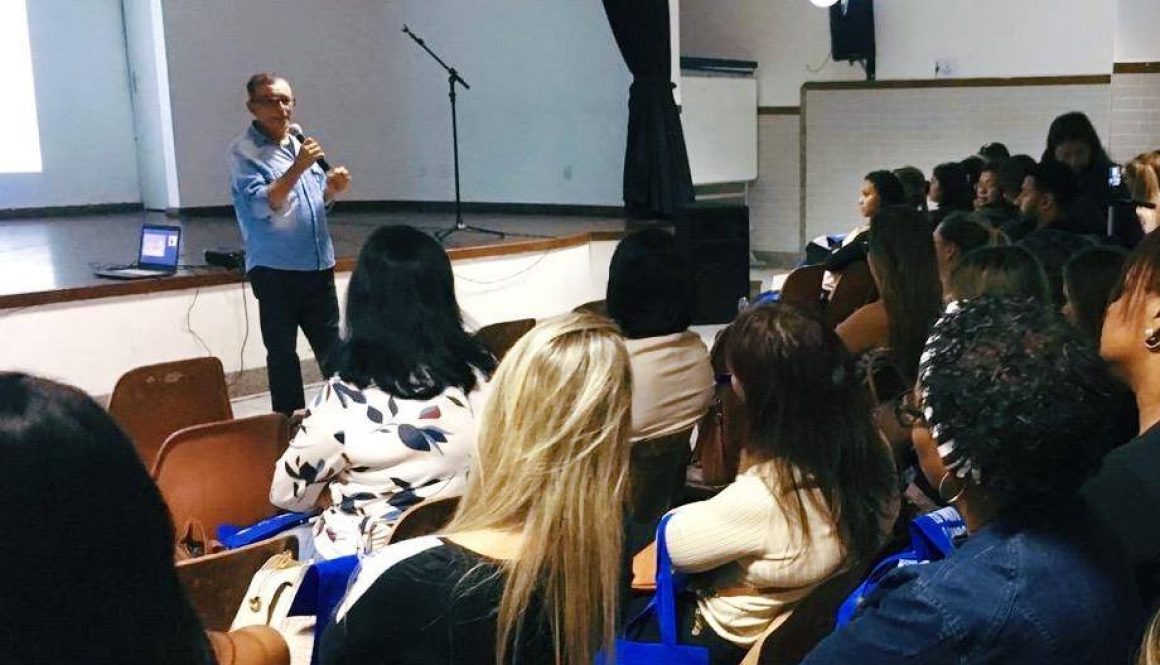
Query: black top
[1125,495]
[427,600]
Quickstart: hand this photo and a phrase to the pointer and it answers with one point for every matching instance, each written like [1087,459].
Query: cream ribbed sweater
[741,538]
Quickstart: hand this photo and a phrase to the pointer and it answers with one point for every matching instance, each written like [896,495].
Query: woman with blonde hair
[1144,186]
[529,567]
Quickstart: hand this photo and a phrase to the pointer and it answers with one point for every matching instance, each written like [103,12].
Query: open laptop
[156,254]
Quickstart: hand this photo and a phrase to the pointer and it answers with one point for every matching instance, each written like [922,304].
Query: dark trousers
[288,300]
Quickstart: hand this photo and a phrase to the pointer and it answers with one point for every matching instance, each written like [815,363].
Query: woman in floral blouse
[396,424]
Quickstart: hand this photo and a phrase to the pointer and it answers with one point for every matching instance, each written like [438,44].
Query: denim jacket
[1042,584]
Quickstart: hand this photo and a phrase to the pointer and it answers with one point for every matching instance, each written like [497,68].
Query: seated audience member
[535,548]
[957,236]
[951,190]
[1054,248]
[973,166]
[914,186]
[1050,199]
[1143,183]
[1011,175]
[999,272]
[879,189]
[1126,492]
[89,575]
[993,153]
[1072,141]
[1089,278]
[397,422]
[1010,404]
[650,297]
[905,269]
[818,495]
[989,201]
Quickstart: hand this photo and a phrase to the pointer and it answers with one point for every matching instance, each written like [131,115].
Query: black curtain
[657,182]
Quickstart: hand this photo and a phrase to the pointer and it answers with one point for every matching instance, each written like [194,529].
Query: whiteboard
[719,118]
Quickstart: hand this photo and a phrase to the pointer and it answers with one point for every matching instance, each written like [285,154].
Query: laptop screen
[159,246]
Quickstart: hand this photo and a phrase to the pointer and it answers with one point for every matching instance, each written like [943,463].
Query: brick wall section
[775,197]
[1135,115]
[852,132]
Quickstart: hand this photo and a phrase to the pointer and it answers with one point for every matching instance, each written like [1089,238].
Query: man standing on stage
[280,197]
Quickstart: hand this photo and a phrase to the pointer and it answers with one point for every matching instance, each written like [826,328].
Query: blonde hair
[553,462]
[1144,185]
[1150,649]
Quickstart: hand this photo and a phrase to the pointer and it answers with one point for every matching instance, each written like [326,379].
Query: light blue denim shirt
[295,237]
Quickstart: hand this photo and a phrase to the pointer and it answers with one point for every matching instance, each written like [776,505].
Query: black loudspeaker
[713,238]
[852,32]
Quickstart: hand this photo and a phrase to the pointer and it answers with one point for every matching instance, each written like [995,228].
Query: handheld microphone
[296,132]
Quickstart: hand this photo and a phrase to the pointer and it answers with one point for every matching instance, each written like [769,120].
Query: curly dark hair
[1014,395]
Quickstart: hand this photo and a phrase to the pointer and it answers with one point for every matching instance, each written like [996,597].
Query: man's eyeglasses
[273,101]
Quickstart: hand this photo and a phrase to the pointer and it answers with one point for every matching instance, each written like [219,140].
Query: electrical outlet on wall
[945,68]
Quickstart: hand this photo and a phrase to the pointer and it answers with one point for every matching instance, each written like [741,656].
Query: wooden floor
[42,256]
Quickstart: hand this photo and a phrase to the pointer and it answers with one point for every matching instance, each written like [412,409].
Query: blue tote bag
[664,602]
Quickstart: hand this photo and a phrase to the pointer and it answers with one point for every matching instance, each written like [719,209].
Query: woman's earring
[1152,341]
[943,495]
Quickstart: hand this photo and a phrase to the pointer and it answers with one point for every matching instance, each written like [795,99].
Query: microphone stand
[453,78]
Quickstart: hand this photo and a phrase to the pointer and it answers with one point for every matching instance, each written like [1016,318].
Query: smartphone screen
[1115,175]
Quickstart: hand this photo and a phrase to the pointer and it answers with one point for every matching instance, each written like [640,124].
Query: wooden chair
[221,472]
[217,583]
[595,307]
[152,402]
[855,289]
[803,288]
[424,518]
[812,620]
[657,472]
[499,337]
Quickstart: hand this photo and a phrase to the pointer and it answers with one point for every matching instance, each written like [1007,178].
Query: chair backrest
[803,288]
[812,620]
[221,472]
[424,518]
[152,402]
[594,307]
[499,337]
[657,475]
[217,583]
[855,289]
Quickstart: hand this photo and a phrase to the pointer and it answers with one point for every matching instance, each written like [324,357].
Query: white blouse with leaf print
[378,455]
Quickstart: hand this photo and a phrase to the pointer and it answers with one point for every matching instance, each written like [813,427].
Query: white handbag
[271,592]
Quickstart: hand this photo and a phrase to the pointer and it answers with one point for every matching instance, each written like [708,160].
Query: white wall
[1136,24]
[544,121]
[985,37]
[86,119]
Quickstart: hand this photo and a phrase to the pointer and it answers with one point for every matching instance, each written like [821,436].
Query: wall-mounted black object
[713,238]
[852,33]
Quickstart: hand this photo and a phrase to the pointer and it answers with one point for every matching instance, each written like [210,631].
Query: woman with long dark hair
[88,558]
[1073,142]
[396,424]
[905,269]
[952,190]
[817,493]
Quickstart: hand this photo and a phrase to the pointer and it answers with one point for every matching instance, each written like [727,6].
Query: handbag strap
[666,593]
